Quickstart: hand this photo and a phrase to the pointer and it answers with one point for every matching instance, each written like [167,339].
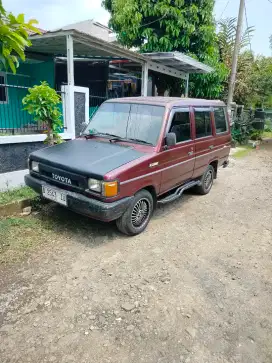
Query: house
[90,73]
[13,87]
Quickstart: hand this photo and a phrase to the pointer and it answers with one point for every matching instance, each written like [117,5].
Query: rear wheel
[206,181]
[138,215]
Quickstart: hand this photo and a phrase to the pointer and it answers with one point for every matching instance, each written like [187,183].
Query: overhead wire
[154,21]
[249,40]
[225,8]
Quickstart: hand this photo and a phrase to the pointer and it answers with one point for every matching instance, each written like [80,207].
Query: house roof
[31,32]
[81,25]
[53,43]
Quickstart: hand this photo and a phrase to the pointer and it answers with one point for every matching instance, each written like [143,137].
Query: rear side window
[180,125]
[203,123]
[220,120]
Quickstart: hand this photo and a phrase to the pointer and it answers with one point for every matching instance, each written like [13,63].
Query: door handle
[211,147]
[190,153]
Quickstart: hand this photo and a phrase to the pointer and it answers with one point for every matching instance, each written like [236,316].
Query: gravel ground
[195,287]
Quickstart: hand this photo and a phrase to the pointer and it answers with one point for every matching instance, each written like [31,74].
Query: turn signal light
[110,189]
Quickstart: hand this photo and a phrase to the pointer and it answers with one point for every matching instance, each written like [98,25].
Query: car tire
[137,216]
[206,181]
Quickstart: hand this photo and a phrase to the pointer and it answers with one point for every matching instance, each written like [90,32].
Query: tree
[261,82]
[43,102]
[171,25]
[226,40]
[14,38]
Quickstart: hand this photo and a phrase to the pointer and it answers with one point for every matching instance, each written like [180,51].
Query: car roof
[168,101]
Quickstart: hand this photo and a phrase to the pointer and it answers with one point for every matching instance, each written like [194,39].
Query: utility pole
[236,53]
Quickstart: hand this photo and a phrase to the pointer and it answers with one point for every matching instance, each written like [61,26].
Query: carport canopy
[73,43]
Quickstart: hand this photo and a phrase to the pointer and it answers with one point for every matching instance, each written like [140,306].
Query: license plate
[55,195]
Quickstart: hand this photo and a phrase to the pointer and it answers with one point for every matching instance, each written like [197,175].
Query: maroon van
[135,153]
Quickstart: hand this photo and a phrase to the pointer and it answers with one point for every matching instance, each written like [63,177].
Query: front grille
[63,178]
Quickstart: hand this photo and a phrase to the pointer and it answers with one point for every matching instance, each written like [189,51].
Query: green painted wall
[11,113]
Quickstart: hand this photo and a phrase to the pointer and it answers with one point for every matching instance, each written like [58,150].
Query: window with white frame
[3,89]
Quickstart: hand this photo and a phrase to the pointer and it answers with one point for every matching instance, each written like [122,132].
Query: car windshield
[128,121]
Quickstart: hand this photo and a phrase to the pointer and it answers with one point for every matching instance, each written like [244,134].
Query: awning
[54,44]
[180,62]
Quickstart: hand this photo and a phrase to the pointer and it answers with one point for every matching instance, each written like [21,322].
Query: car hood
[87,157]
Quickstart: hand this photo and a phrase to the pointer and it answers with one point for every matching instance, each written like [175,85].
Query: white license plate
[55,195]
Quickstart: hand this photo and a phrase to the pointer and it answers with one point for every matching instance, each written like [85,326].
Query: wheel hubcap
[140,212]
[208,179]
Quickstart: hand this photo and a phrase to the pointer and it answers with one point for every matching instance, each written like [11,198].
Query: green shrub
[240,134]
[42,102]
[256,134]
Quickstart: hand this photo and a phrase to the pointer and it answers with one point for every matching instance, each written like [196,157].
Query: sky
[52,14]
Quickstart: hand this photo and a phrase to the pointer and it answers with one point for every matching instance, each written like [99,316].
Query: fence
[97,98]
[14,120]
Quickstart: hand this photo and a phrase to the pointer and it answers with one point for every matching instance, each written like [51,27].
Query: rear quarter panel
[203,155]
[220,143]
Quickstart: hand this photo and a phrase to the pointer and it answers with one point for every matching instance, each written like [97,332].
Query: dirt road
[195,287]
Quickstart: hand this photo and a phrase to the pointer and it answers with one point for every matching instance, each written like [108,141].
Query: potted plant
[42,102]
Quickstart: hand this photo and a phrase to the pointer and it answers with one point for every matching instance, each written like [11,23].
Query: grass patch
[242,152]
[16,194]
[20,234]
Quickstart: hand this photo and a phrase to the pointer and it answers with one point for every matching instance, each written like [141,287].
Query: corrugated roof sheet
[179,61]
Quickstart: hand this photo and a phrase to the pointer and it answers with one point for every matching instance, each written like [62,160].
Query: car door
[222,134]
[177,162]
[204,139]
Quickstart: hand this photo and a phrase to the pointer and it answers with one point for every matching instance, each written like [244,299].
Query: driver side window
[180,125]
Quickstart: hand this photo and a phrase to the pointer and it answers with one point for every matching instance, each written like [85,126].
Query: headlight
[95,185]
[107,189]
[35,166]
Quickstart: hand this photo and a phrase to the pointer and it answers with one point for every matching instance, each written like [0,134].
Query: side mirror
[170,139]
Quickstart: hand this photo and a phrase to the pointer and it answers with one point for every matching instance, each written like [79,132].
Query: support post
[187,85]
[70,60]
[69,89]
[144,84]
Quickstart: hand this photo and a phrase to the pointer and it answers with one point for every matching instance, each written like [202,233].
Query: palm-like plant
[226,40]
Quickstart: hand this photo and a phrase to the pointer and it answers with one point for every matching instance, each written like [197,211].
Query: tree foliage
[171,25]
[164,25]
[261,82]
[42,102]
[226,40]
[14,38]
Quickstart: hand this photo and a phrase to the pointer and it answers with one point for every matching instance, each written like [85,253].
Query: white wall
[12,180]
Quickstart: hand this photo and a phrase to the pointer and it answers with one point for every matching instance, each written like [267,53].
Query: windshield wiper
[130,140]
[87,136]
[141,141]
[117,138]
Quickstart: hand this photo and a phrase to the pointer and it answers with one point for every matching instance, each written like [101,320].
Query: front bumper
[81,204]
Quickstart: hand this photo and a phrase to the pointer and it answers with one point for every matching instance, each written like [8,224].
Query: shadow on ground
[90,232]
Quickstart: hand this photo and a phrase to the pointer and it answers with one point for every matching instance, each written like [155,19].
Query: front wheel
[206,181]
[138,215]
